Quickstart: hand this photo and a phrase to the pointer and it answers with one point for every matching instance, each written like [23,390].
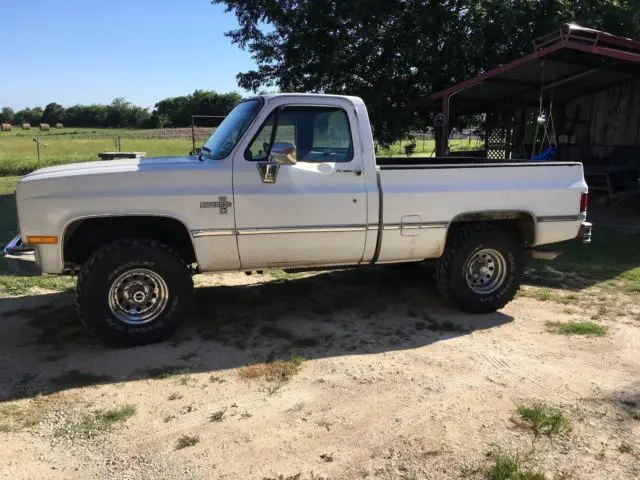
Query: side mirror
[283,153]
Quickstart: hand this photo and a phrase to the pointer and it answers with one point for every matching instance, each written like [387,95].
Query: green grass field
[18,154]
[427,147]
[8,223]
[64,132]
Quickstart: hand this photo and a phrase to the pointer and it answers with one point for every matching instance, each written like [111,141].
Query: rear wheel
[481,268]
[134,292]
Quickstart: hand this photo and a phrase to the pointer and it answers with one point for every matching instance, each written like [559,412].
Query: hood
[110,166]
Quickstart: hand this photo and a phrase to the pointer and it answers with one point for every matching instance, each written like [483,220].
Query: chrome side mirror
[283,153]
[268,172]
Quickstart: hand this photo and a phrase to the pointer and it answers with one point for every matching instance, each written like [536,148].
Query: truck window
[320,134]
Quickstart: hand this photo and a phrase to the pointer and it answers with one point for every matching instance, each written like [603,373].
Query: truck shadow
[613,253]
[352,312]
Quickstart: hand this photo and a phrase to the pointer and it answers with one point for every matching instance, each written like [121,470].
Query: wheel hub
[486,271]
[138,296]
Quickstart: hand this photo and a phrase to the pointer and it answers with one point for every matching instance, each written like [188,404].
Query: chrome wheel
[138,296]
[486,271]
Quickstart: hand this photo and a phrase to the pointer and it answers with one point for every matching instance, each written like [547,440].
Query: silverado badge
[222,205]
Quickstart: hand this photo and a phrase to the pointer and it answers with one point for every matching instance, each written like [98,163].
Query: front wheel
[134,292]
[481,268]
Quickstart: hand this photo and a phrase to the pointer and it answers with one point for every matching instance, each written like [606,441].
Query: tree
[393,52]
[53,113]
[29,115]
[121,113]
[177,111]
[7,115]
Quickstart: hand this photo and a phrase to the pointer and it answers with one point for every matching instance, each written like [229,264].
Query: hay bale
[59,125]
[6,127]
[26,126]
[45,127]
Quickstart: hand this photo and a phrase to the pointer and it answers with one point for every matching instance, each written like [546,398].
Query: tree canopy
[393,52]
[170,112]
[53,113]
[177,111]
[7,115]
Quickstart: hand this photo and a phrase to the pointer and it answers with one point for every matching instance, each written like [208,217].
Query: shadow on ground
[43,348]
[612,255]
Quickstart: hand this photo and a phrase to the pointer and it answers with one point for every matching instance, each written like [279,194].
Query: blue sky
[91,51]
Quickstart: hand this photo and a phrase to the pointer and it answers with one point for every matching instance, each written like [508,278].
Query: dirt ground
[386,382]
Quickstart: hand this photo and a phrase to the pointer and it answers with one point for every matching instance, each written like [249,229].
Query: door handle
[357,171]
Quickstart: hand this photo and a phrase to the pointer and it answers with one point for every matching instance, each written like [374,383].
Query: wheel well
[85,236]
[521,224]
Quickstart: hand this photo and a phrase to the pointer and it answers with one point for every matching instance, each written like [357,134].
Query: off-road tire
[111,261]
[451,269]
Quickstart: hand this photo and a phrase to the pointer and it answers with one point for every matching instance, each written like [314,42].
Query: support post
[193,135]
[442,146]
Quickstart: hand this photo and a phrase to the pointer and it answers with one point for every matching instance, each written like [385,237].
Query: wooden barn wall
[605,119]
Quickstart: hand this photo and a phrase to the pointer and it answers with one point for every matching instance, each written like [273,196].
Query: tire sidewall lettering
[115,260]
[129,266]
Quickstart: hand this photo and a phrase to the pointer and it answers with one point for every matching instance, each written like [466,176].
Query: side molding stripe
[563,218]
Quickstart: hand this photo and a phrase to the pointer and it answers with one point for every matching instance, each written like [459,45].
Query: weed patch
[577,328]
[541,294]
[543,419]
[297,476]
[92,424]
[185,378]
[186,441]
[511,466]
[217,416]
[625,448]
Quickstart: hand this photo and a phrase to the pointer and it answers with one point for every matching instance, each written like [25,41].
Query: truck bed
[422,198]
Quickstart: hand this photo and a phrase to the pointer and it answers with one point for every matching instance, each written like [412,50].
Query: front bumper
[21,259]
[584,234]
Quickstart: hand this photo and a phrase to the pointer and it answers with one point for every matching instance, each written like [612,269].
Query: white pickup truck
[288,181]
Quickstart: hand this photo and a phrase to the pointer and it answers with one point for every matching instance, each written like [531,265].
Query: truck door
[311,212]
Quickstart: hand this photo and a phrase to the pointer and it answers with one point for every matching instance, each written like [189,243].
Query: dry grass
[276,371]
[217,416]
[187,441]
[92,424]
[20,415]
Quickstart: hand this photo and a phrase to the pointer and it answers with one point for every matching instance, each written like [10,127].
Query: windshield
[231,129]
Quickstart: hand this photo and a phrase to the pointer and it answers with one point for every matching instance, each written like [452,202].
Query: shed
[580,85]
